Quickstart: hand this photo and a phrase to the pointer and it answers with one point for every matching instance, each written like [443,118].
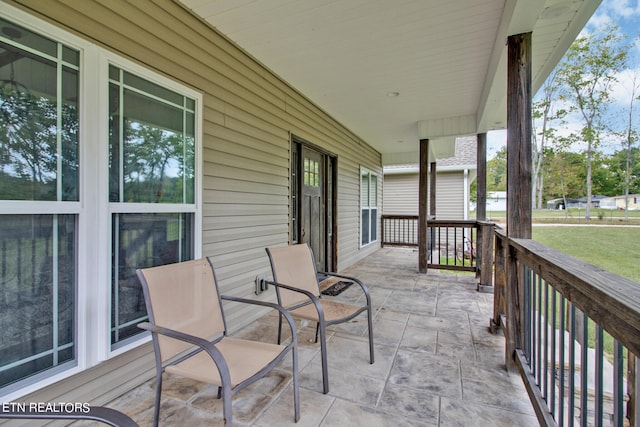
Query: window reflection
[38,126]
[37,295]
[151,143]
[140,241]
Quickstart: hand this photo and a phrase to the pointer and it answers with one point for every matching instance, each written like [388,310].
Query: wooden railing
[399,230]
[451,244]
[573,331]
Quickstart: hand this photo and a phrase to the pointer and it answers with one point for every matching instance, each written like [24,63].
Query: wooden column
[485,230]
[423,192]
[518,179]
[519,136]
[481,179]
[432,190]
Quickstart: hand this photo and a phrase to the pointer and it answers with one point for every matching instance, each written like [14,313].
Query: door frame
[330,184]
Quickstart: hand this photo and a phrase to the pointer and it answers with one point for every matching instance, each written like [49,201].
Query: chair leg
[370,321]
[323,354]
[296,391]
[279,327]
[156,408]
[317,329]
[227,413]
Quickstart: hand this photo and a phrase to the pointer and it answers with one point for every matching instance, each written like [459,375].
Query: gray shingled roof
[465,153]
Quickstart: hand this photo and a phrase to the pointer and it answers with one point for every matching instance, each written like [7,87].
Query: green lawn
[613,248]
[609,245]
[574,216]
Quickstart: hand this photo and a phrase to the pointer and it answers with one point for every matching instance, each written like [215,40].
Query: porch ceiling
[445,59]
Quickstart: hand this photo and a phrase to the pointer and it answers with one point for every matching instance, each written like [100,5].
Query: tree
[630,140]
[497,171]
[565,173]
[587,73]
[544,113]
[617,171]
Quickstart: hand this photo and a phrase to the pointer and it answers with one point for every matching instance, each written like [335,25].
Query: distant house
[618,202]
[496,201]
[595,201]
[559,204]
[454,176]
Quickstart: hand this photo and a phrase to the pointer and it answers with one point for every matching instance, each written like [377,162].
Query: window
[311,173]
[368,207]
[152,164]
[98,177]
[39,167]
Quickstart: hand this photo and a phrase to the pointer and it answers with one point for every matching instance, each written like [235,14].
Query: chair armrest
[202,343]
[314,299]
[285,313]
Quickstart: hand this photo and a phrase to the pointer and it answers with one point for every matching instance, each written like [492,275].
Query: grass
[574,216]
[612,248]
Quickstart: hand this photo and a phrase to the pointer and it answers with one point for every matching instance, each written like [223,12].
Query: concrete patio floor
[436,364]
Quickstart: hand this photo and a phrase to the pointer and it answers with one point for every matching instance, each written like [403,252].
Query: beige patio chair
[296,282]
[187,324]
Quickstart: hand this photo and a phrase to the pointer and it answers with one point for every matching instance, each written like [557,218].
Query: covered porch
[437,363]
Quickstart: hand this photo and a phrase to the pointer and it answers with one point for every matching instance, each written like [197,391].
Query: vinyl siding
[450,195]
[401,194]
[249,114]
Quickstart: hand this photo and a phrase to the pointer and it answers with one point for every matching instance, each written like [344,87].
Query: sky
[626,15]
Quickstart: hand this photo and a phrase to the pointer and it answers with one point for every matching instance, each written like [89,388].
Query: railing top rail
[610,300]
[452,223]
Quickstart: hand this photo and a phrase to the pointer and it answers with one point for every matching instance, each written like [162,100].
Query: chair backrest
[293,266]
[184,297]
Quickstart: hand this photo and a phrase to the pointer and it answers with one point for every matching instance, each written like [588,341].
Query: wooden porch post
[432,189]
[423,191]
[485,229]
[481,179]
[518,178]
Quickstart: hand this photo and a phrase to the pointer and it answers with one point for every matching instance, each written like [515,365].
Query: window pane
[374,225]
[189,159]
[364,227]
[373,193]
[69,135]
[38,137]
[30,39]
[140,241]
[152,88]
[364,189]
[114,143]
[152,143]
[37,291]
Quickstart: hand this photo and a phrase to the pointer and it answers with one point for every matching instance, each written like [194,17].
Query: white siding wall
[401,194]
[450,195]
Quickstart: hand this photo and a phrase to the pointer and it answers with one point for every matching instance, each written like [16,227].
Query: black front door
[312,194]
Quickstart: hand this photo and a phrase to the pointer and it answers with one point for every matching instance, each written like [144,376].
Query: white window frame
[110,208]
[93,210]
[369,206]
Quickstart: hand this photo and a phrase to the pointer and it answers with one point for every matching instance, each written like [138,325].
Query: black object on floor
[337,288]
